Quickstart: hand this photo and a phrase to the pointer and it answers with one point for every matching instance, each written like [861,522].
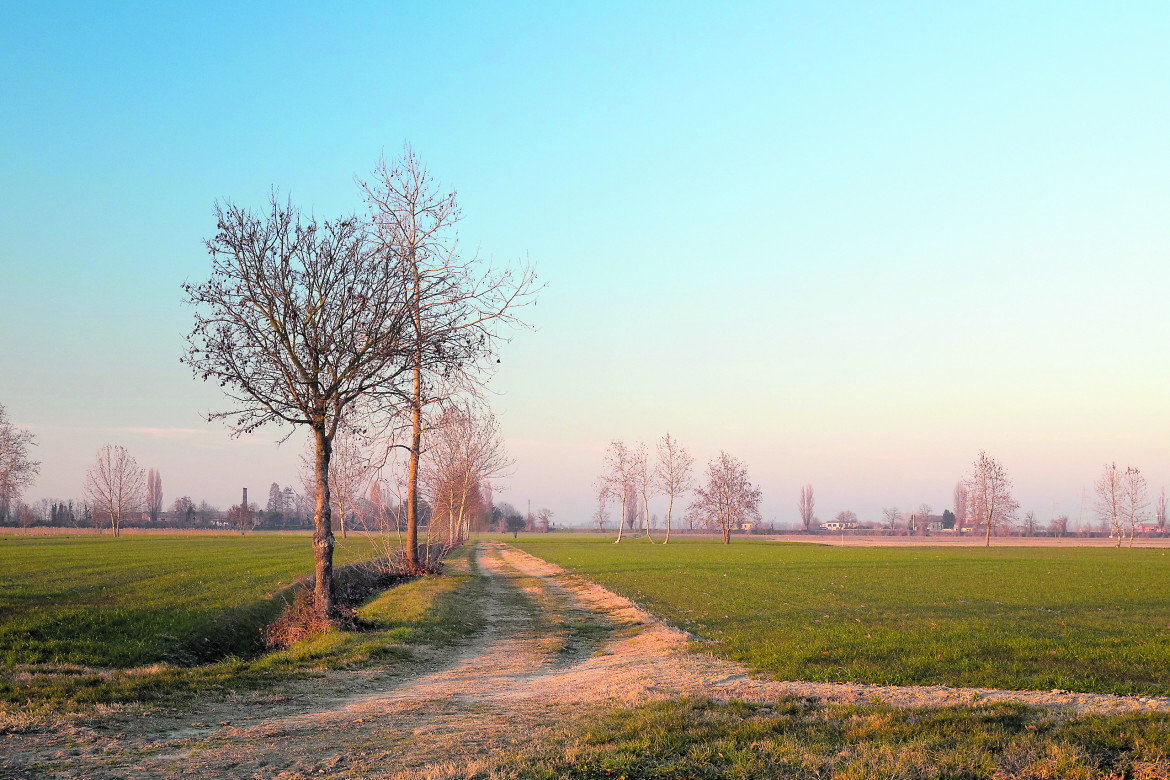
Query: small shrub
[299,620]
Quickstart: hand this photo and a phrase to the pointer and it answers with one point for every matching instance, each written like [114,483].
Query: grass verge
[435,611]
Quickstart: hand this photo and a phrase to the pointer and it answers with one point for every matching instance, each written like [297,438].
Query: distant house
[834,525]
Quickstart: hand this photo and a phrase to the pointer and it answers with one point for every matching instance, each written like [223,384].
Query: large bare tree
[727,496]
[1136,499]
[457,307]
[115,485]
[1110,489]
[989,493]
[806,506]
[17,469]
[301,323]
[673,474]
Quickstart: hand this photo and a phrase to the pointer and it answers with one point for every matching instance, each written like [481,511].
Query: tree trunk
[323,541]
[669,506]
[646,516]
[987,540]
[412,490]
[621,522]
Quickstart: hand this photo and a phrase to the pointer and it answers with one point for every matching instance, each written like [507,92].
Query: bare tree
[115,485]
[300,323]
[727,496]
[242,517]
[154,495]
[1029,523]
[466,450]
[456,307]
[989,492]
[618,480]
[847,518]
[960,507]
[1058,526]
[644,483]
[806,505]
[922,518]
[1110,489]
[673,474]
[891,516]
[601,513]
[1136,499]
[17,469]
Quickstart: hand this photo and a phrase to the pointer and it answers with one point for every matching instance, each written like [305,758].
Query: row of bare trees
[363,326]
[724,500]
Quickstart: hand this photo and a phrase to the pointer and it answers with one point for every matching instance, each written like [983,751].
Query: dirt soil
[554,647]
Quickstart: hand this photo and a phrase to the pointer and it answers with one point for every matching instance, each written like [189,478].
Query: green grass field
[1084,619]
[174,602]
[100,601]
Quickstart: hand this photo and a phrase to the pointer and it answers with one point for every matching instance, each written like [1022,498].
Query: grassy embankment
[97,619]
[1081,619]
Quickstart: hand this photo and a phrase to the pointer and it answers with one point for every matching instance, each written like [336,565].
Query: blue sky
[851,243]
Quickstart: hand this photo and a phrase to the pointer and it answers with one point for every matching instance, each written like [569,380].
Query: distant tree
[617,481]
[544,520]
[1058,526]
[1110,489]
[154,495]
[301,323]
[948,519]
[601,513]
[1029,528]
[514,523]
[890,515]
[115,485]
[727,496]
[644,483]
[466,450]
[922,518]
[275,505]
[183,509]
[205,513]
[673,474]
[1161,510]
[242,517]
[806,506]
[989,493]
[17,469]
[847,517]
[1136,499]
[960,513]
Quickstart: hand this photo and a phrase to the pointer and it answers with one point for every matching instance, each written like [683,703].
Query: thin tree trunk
[669,506]
[412,491]
[987,540]
[646,517]
[415,420]
[323,542]
[621,522]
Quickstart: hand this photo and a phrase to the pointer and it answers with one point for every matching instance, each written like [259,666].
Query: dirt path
[553,646]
